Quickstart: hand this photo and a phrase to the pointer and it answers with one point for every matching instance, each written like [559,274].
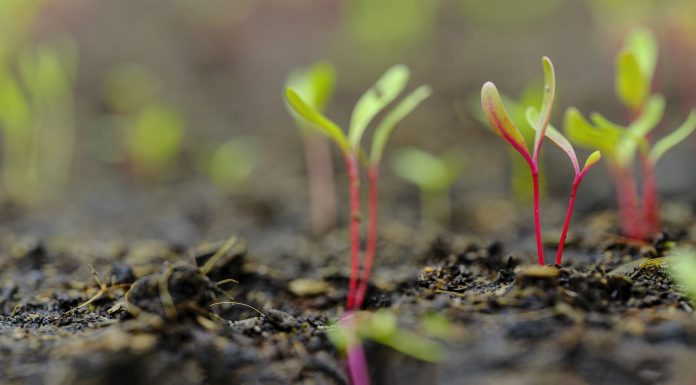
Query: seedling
[501,123]
[682,267]
[376,99]
[635,69]
[231,163]
[315,85]
[434,177]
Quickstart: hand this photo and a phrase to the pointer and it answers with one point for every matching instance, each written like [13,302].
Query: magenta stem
[372,221]
[354,187]
[628,204]
[569,214]
[651,200]
[357,362]
[537,217]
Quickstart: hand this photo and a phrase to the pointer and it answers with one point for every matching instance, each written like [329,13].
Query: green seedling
[36,107]
[376,99]
[154,138]
[434,177]
[635,66]
[501,123]
[682,267]
[315,86]
[231,163]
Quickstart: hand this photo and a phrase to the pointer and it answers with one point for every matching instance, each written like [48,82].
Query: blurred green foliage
[230,164]
[682,267]
[36,106]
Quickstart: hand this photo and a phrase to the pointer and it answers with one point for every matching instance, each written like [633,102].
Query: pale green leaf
[423,169]
[673,138]
[317,119]
[632,88]
[383,92]
[643,43]
[389,122]
[584,134]
[499,120]
[592,160]
[556,137]
[546,104]
[314,84]
[637,132]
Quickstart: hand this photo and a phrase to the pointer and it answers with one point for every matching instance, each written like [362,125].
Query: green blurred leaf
[383,92]
[232,162]
[643,43]
[155,138]
[393,117]
[315,84]
[499,120]
[425,170]
[15,113]
[672,139]
[317,120]
[682,267]
[632,88]
[582,133]
[636,134]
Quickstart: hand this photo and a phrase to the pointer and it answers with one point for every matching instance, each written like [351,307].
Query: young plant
[315,85]
[376,99]
[501,123]
[682,267]
[635,69]
[230,164]
[434,177]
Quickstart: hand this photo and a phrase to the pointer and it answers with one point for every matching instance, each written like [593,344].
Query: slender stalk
[372,219]
[354,187]
[628,204]
[322,189]
[569,214]
[537,218]
[357,362]
[651,204]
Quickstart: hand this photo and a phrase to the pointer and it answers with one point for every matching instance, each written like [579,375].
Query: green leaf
[682,267]
[315,84]
[155,138]
[556,137]
[584,134]
[423,169]
[546,104]
[592,160]
[383,92]
[317,119]
[643,43]
[636,133]
[499,120]
[632,88]
[389,122]
[674,138]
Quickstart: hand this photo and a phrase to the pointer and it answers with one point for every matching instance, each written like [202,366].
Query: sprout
[315,86]
[376,99]
[682,267]
[433,175]
[154,138]
[635,69]
[231,163]
[502,125]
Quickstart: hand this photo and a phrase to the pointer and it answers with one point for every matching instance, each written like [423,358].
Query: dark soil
[218,313]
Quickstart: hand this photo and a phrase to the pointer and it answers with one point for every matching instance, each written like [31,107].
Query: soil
[257,311]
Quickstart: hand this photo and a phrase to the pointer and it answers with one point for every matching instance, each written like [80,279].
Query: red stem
[354,186]
[372,219]
[537,218]
[569,214]
[322,190]
[651,204]
[628,200]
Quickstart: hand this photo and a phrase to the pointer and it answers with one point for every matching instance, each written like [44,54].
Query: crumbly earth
[218,313]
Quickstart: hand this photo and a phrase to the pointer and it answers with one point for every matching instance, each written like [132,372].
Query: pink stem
[628,199]
[357,362]
[651,204]
[569,214]
[322,189]
[372,219]
[354,186]
[537,218]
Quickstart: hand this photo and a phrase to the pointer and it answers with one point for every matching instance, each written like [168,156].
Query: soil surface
[156,311]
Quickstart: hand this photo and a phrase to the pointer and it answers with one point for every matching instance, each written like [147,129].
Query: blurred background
[165,118]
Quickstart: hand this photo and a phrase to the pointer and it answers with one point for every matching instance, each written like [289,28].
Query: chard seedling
[635,68]
[682,267]
[434,176]
[501,123]
[376,99]
[315,85]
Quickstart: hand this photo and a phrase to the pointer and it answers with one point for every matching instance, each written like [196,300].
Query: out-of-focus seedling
[376,99]
[231,163]
[152,130]
[434,176]
[682,267]
[500,121]
[315,86]
[36,106]
[635,66]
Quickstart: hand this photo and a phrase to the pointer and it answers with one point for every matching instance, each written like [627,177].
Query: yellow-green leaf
[673,138]
[499,120]
[317,119]
[632,87]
